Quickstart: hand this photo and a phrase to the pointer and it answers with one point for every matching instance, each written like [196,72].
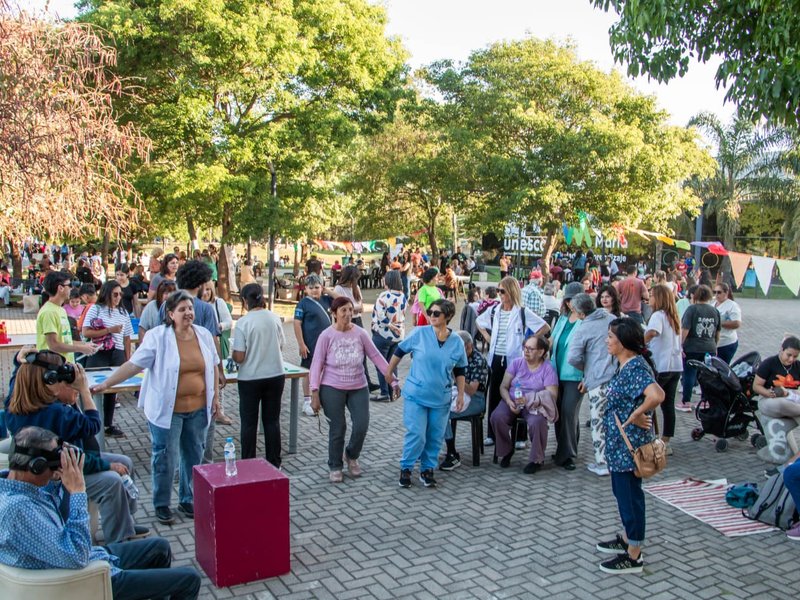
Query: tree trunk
[431,229]
[551,240]
[193,234]
[104,250]
[223,274]
[16,260]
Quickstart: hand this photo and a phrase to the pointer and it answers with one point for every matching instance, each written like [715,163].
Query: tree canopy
[232,92]
[62,153]
[549,137]
[758,42]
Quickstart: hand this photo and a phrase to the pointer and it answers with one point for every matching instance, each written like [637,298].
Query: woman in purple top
[528,391]
[338,380]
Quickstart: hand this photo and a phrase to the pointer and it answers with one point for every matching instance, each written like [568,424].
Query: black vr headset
[56,368]
[41,460]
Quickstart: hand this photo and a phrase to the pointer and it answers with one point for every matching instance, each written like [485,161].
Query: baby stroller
[727,407]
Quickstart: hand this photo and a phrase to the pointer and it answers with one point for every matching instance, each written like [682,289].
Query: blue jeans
[689,377]
[386,348]
[425,427]
[791,479]
[627,490]
[726,352]
[146,572]
[187,434]
[477,405]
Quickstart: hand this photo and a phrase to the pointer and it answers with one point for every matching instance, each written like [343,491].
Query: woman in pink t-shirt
[338,380]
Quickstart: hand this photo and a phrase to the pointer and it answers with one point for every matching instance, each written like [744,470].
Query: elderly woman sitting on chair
[535,386]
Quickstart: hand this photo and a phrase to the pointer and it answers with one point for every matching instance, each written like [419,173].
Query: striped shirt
[109,318]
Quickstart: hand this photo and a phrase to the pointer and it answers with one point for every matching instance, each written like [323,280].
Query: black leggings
[263,394]
[669,383]
[107,358]
[496,373]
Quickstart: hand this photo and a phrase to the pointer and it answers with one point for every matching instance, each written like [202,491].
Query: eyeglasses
[117,294]
[529,349]
[501,291]
[718,292]
[435,313]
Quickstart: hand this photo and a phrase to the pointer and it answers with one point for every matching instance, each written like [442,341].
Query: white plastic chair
[93,581]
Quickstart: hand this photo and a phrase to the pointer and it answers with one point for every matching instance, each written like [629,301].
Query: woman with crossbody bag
[631,394]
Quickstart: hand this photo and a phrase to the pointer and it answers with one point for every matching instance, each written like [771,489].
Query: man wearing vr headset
[39,529]
[42,394]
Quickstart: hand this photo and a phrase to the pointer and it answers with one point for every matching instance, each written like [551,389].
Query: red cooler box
[241,523]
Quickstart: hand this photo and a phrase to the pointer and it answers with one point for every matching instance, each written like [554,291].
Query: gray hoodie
[588,351]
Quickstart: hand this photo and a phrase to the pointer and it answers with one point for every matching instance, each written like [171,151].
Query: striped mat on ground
[705,501]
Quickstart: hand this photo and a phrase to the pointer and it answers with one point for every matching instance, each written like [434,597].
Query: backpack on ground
[774,505]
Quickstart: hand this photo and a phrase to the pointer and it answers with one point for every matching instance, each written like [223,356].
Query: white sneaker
[307,410]
[488,442]
[598,469]
[519,446]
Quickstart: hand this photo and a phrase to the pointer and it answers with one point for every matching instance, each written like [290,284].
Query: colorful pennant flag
[764,266]
[790,273]
[739,264]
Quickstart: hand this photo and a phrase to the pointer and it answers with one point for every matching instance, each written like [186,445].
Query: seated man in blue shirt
[42,528]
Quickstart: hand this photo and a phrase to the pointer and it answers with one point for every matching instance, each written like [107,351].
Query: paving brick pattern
[485,532]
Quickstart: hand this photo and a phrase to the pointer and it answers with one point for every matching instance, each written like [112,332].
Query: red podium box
[242,522]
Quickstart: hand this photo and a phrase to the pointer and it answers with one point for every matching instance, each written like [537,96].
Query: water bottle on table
[230,458]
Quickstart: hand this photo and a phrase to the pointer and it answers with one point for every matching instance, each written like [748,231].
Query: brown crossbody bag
[650,458]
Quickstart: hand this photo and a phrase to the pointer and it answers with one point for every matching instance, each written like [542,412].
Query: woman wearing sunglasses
[108,324]
[439,357]
[337,380]
[509,323]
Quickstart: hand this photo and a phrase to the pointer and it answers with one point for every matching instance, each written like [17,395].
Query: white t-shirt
[728,311]
[666,346]
[259,334]
[110,318]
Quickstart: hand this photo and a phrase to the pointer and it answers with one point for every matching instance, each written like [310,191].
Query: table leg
[294,414]
[101,436]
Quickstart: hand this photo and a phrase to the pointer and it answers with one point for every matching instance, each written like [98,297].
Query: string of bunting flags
[380,245]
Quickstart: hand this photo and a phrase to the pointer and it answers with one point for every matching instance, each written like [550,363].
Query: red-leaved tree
[63,153]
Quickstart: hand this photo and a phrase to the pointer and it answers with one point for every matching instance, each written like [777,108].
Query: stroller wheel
[758,440]
[697,433]
[721,445]
[742,437]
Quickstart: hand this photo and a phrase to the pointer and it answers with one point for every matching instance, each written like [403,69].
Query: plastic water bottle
[130,487]
[230,458]
[519,400]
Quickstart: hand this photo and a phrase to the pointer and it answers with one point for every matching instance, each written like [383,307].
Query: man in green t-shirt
[52,325]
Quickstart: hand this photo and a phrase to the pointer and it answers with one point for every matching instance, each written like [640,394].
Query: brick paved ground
[490,533]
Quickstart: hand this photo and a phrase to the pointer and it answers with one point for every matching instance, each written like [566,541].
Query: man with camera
[42,393]
[40,530]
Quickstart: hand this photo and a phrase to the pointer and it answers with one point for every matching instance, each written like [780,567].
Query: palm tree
[751,167]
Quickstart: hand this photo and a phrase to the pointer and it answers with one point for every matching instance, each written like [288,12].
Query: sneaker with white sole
[794,533]
[427,479]
[616,546]
[488,441]
[519,445]
[405,478]
[450,462]
[622,564]
[307,410]
[598,469]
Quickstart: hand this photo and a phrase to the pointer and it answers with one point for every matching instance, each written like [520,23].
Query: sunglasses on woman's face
[501,291]
[435,313]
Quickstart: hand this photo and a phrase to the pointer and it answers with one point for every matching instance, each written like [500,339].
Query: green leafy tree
[751,167]
[757,42]
[408,177]
[236,93]
[548,137]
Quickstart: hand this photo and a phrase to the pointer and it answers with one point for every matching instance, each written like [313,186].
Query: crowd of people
[577,329]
